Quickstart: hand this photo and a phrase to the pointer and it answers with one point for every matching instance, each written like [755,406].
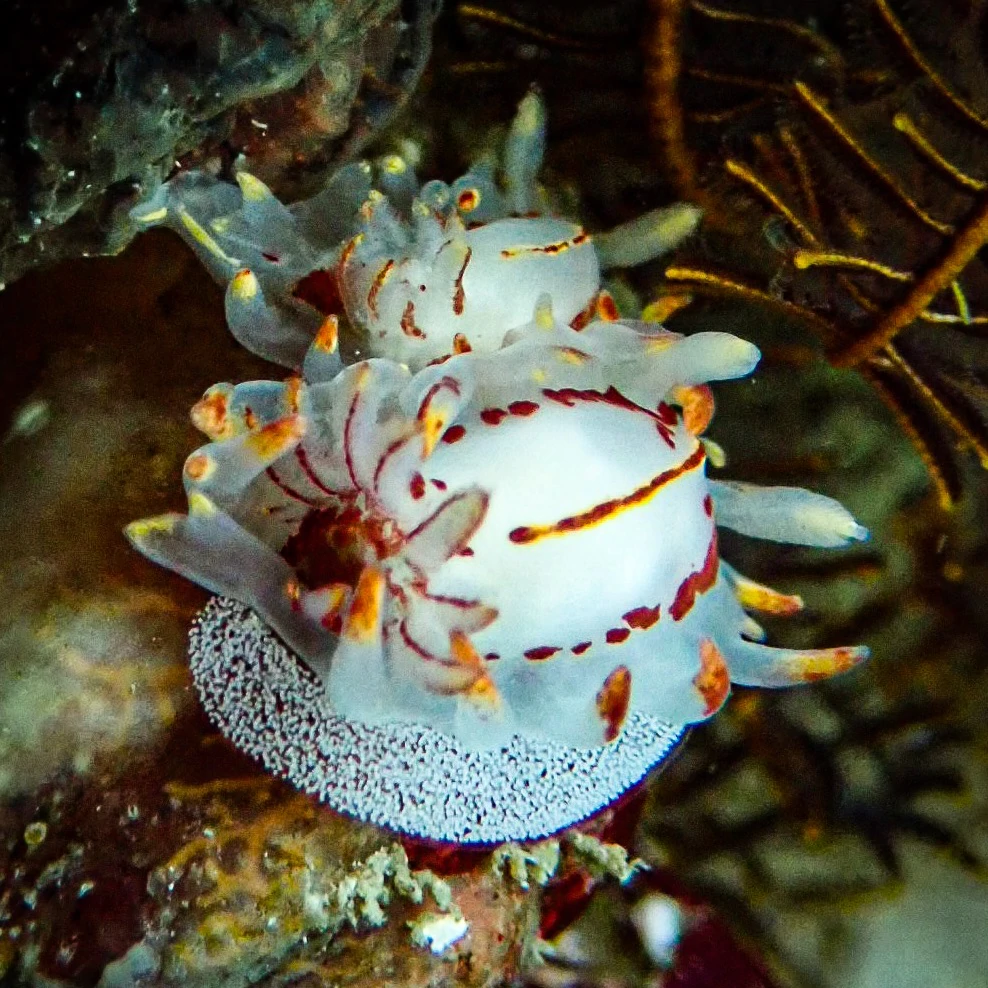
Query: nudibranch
[469,586]
[496,579]
[416,273]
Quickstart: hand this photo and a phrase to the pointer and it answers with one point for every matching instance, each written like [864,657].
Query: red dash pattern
[493,416]
[712,682]
[696,583]
[542,652]
[570,396]
[643,617]
[408,326]
[667,413]
[459,295]
[377,284]
[613,701]
[550,249]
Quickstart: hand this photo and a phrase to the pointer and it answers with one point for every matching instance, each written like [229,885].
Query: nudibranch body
[490,553]
[419,273]
[515,544]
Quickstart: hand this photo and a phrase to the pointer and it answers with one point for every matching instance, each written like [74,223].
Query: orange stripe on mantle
[608,509]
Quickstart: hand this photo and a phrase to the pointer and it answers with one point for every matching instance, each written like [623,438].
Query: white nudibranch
[494,568]
[417,273]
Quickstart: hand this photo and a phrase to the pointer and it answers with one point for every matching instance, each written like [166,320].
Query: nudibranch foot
[416,276]
[404,776]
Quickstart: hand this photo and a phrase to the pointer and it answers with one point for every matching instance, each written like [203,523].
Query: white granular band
[403,776]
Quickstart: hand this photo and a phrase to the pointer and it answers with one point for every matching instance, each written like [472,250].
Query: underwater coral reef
[141,847]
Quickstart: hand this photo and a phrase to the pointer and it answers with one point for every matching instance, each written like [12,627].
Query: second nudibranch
[415,273]
[514,543]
